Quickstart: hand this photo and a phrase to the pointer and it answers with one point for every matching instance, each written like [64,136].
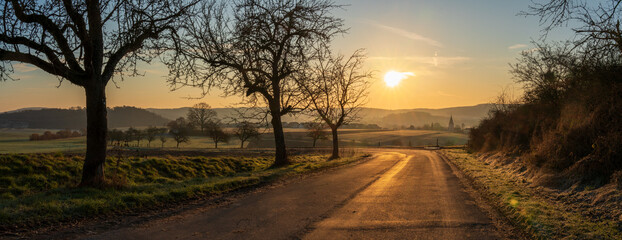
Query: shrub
[570,118]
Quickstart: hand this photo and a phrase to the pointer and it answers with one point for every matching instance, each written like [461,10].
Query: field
[40,189]
[16,140]
[368,138]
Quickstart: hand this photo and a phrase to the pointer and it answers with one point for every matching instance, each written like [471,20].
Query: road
[401,194]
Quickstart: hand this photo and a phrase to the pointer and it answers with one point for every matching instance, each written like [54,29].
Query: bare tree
[179,130]
[246,130]
[598,22]
[338,89]
[87,43]
[150,134]
[162,134]
[138,136]
[115,135]
[316,131]
[252,48]
[216,133]
[200,115]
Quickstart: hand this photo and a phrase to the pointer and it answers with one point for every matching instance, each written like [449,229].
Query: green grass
[369,138]
[16,140]
[526,207]
[39,188]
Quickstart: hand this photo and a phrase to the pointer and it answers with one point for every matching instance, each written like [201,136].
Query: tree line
[48,135]
[273,54]
[200,121]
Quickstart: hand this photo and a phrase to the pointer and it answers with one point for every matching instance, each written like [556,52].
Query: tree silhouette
[150,134]
[200,115]
[87,43]
[338,89]
[179,130]
[315,131]
[597,22]
[255,52]
[245,131]
[216,133]
[162,133]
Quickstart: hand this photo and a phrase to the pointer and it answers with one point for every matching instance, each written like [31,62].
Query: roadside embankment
[546,213]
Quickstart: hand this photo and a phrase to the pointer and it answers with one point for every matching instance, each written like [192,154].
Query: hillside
[469,115]
[75,118]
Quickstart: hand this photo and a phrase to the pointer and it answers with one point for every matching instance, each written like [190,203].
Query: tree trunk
[335,144]
[215,144]
[96,128]
[242,144]
[314,140]
[280,158]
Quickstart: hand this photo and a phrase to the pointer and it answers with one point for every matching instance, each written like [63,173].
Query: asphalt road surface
[401,194]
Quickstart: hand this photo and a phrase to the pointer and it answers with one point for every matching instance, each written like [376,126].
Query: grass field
[40,188]
[16,140]
[368,138]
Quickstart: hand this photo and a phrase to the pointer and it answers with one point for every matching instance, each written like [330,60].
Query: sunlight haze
[459,51]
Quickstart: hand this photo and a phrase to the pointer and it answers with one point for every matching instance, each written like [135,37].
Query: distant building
[450,127]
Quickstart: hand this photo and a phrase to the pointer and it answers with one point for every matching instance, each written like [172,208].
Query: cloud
[407,34]
[517,46]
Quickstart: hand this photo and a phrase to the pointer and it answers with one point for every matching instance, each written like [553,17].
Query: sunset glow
[393,78]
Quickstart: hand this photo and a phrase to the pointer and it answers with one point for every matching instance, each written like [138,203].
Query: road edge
[484,201]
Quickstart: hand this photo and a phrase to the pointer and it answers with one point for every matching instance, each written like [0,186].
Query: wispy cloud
[517,46]
[407,34]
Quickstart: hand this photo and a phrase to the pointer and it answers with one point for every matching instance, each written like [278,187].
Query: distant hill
[469,115]
[75,118]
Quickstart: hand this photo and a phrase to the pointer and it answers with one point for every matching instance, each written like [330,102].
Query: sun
[393,78]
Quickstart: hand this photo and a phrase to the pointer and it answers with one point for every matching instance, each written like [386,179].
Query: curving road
[401,194]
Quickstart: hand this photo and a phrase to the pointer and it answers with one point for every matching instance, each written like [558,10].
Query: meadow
[16,140]
[40,189]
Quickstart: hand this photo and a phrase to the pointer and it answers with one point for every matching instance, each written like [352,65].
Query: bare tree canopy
[200,115]
[315,130]
[598,22]
[87,43]
[179,130]
[246,130]
[216,132]
[252,48]
[336,88]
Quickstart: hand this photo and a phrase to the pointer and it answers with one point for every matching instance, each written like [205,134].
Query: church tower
[450,127]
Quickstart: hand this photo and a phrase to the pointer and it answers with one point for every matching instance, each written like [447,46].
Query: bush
[570,119]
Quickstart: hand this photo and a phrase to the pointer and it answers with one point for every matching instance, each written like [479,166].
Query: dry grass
[546,213]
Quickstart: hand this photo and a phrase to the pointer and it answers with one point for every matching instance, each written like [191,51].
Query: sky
[457,51]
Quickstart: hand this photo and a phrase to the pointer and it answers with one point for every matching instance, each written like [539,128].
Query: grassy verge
[526,206]
[39,189]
